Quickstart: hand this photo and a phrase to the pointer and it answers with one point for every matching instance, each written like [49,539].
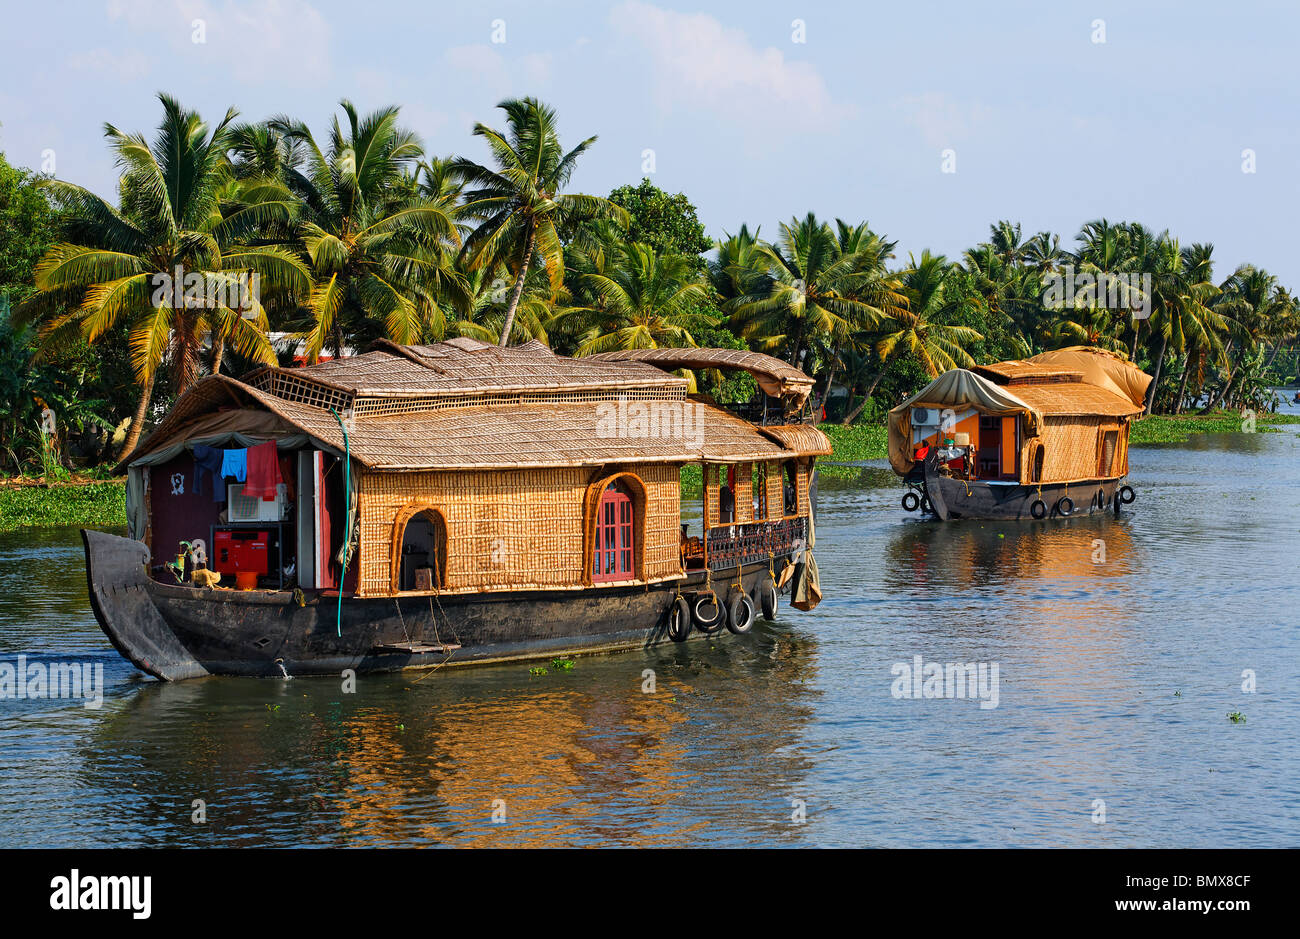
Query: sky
[1051,113]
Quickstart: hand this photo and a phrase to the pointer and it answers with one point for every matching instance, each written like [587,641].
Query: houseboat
[456,503]
[1032,439]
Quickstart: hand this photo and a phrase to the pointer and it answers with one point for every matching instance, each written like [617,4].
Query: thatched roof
[409,408]
[775,377]
[460,367]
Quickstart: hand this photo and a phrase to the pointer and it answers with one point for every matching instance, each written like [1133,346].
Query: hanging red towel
[263,471]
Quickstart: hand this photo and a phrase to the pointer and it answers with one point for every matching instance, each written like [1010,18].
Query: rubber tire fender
[740,617]
[1034,509]
[767,598]
[1126,494]
[1063,501]
[679,620]
[713,624]
[911,501]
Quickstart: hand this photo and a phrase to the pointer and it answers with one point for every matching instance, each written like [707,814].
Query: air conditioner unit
[242,508]
[925,417]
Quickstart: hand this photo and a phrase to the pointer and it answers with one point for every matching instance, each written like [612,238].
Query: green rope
[347,515]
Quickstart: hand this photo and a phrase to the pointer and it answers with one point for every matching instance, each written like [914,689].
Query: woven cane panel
[1069,448]
[517,528]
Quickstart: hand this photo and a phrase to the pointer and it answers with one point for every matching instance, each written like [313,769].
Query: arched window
[419,559]
[1036,464]
[613,554]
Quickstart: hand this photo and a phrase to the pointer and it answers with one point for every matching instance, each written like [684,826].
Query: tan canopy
[1101,368]
[957,388]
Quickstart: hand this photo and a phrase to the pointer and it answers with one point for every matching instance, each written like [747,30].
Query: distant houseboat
[1044,437]
[455,503]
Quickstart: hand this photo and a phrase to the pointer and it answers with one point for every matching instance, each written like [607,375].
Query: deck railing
[746,543]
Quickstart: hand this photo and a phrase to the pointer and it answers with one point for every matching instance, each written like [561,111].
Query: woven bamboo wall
[511,529]
[1071,448]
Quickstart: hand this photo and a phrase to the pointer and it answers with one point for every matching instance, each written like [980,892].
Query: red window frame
[613,556]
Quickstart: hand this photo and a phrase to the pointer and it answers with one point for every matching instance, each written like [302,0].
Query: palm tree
[116,264]
[917,329]
[815,287]
[739,267]
[521,213]
[380,250]
[637,299]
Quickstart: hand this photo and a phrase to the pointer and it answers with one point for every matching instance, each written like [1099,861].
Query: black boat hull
[948,497]
[179,632]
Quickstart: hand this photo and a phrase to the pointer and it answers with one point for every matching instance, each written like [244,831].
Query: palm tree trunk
[1155,381]
[518,291]
[137,422]
[218,352]
[866,398]
[1277,347]
[1182,385]
[1223,390]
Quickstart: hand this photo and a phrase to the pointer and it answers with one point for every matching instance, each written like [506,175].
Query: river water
[1121,646]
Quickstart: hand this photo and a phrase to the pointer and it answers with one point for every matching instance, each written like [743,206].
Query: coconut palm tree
[636,298]
[738,267]
[381,252]
[120,265]
[520,211]
[814,286]
[918,330]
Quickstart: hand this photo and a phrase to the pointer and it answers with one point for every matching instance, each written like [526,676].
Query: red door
[612,557]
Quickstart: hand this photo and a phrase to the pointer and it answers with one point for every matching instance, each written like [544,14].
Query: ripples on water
[1199,583]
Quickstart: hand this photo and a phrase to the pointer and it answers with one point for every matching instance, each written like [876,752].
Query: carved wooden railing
[748,542]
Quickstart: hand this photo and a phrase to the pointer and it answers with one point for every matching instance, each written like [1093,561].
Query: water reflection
[584,757]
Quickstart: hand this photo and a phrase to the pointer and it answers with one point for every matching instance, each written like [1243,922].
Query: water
[1115,682]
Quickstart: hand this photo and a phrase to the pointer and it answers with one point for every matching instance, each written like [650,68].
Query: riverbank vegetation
[362,231]
[80,504]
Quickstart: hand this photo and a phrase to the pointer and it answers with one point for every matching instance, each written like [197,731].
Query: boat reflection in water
[570,758]
[1057,598]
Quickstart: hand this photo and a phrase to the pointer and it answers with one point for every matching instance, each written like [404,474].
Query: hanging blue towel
[235,463]
[208,461]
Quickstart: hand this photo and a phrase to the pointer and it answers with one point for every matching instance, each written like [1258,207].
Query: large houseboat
[1032,439]
[454,503]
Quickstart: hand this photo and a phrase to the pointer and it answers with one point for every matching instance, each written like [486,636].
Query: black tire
[1038,509]
[740,618]
[911,501]
[679,620]
[1064,506]
[708,624]
[1126,494]
[767,598]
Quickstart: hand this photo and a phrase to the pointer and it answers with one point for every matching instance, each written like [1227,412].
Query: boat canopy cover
[1101,368]
[957,388]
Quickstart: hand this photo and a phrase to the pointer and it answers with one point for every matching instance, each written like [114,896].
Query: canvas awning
[1103,369]
[955,389]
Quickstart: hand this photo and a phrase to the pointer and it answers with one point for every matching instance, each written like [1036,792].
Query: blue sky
[1049,127]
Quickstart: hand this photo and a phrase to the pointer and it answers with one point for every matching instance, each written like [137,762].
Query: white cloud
[698,60]
[942,120]
[271,40]
[121,66]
